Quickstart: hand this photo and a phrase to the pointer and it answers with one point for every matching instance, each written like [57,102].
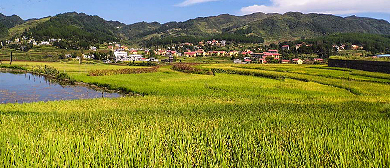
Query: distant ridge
[272,27]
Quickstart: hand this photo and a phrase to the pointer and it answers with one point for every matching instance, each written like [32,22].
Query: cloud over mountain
[321,6]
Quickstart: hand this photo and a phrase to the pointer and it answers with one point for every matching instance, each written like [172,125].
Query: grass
[188,120]
[38,53]
[384,59]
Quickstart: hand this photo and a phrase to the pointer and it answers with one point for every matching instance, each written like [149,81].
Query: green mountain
[199,27]
[10,21]
[272,27]
[18,30]
[7,22]
[75,26]
[293,25]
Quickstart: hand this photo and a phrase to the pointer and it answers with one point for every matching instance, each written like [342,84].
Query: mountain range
[271,27]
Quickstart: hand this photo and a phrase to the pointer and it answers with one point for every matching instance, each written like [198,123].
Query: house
[383,56]
[231,53]
[286,47]
[190,54]
[152,59]
[356,47]
[285,61]
[170,52]
[134,52]
[298,46]
[237,61]
[336,47]
[217,53]
[107,61]
[247,52]
[160,52]
[247,60]
[223,43]
[271,53]
[262,61]
[44,43]
[318,60]
[135,57]
[297,61]
[121,56]
[257,55]
[93,48]
[200,52]
[88,56]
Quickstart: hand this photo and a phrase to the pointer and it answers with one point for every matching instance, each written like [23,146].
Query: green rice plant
[251,116]
[190,68]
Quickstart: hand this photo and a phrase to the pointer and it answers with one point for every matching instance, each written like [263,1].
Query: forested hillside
[249,28]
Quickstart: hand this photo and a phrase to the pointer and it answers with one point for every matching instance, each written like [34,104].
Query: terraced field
[242,116]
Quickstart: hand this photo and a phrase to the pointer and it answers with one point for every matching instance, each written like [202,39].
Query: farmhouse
[271,53]
[297,61]
[217,53]
[190,54]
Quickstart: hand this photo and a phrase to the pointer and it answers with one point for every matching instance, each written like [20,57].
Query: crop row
[190,68]
[107,72]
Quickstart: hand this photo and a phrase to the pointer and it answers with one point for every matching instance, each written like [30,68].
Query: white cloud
[321,6]
[193,2]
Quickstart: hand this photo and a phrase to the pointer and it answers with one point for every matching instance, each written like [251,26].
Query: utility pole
[10,61]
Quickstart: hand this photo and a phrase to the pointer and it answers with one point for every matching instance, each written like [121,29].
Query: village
[124,54]
[114,52]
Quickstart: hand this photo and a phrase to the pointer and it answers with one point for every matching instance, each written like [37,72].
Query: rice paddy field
[242,116]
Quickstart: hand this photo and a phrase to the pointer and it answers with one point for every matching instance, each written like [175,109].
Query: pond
[26,87]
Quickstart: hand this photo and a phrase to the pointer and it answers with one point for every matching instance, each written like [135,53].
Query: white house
[152,59]
[44,43]
[121,56]
[93,48]
[237,61]
[89,56]
[135,57]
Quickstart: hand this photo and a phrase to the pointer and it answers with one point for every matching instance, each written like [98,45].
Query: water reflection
[24,88]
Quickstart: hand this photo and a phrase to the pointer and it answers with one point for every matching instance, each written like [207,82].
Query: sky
[132,11]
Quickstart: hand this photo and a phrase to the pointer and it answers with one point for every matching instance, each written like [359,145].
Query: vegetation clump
[52,72]
[107,72]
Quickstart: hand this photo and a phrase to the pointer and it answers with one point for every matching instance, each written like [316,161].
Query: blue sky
[131,11]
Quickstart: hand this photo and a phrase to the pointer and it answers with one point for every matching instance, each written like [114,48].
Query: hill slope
[7,22]
[18,30]
[271,27]
[290,26]
[75,26]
